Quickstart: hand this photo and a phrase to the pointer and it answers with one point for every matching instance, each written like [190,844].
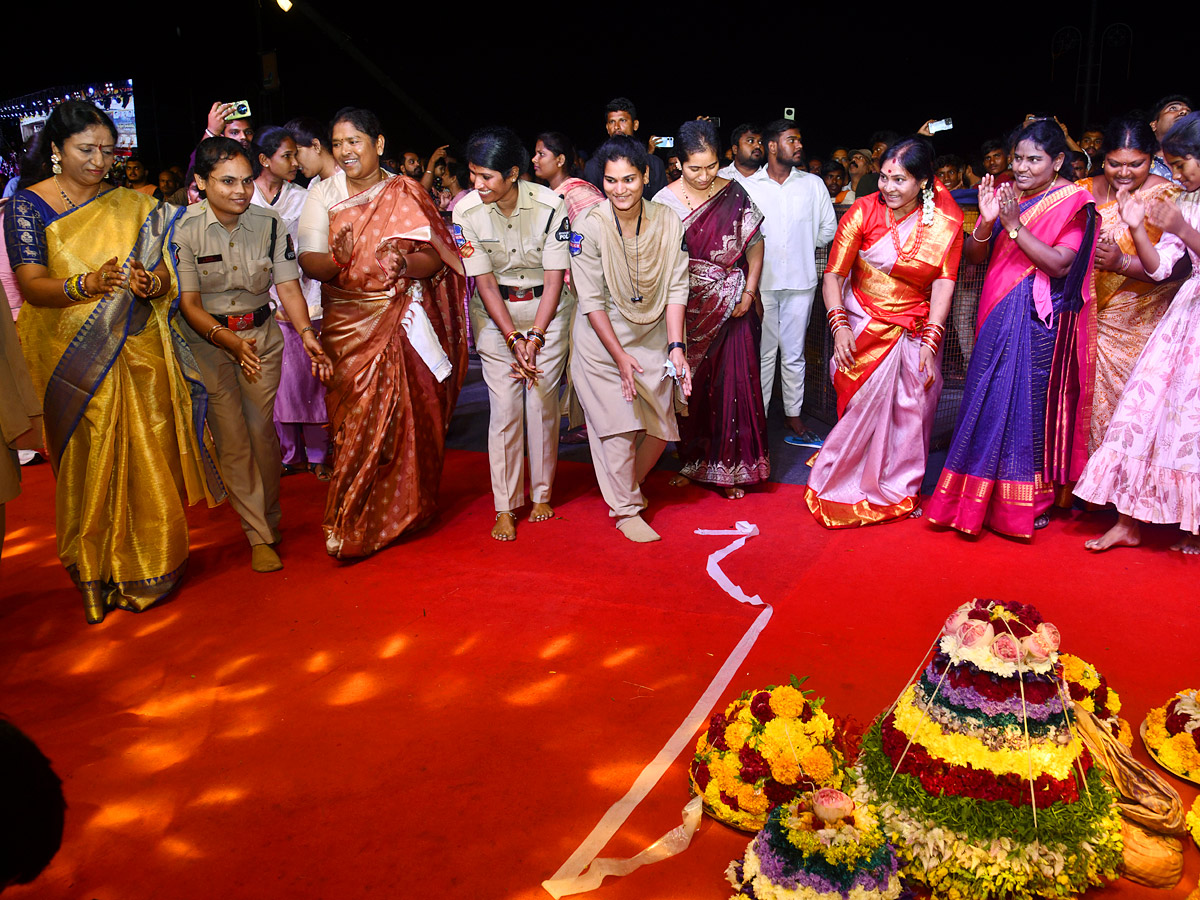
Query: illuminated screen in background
[116,101]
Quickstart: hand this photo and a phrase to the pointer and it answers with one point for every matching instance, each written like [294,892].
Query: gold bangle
[977,238]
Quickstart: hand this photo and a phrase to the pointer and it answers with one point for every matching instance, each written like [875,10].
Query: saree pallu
[124,409]
[1127,312]
[723,436]
[388,413]
[1022,426]
[872,463]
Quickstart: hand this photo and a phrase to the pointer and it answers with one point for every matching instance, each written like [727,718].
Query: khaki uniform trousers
[522,418]
[241,417]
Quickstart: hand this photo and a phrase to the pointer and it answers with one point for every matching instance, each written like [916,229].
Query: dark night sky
[515,74]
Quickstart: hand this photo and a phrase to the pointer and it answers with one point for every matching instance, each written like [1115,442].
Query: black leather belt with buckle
[516,295]
[247,321]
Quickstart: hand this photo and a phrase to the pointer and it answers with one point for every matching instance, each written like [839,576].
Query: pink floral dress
[1149,463]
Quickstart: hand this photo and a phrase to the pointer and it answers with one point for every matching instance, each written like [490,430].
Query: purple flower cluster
[972,699]
[782,873]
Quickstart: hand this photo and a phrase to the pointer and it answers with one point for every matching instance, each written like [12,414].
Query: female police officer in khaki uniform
[228,254]
[514,238]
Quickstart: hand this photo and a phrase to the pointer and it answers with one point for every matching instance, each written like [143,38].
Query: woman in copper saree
[1023,424]
[124,404]
[400,354]
[889,263]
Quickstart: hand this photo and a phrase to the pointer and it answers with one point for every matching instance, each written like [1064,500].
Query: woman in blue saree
[123,403]
[1023,424]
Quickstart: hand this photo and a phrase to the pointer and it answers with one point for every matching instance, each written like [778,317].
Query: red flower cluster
[939,778]
[848,736]
[761,707]
[701,775]
[1177,722]
[778,793]
[754,766]
[716,731]
[729,801]
[1028,618]
[989,686]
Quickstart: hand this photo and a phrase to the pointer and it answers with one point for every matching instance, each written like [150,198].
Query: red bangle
[338,264]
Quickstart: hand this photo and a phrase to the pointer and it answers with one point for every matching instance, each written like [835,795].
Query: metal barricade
[820,399]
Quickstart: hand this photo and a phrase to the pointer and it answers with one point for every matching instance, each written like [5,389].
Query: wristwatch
[1013,232]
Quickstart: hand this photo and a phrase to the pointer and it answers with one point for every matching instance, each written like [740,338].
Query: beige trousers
[615,460]
[241,417]
[522,420]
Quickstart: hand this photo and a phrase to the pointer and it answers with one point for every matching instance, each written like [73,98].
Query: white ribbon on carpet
[571,877]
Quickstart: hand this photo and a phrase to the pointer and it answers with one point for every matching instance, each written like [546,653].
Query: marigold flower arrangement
[764,749]
[1172,735]
[1087,687]
[978,776]
[1193,820]
[820,846]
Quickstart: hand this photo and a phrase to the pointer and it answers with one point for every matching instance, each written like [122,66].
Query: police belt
[516,295]
[247,321]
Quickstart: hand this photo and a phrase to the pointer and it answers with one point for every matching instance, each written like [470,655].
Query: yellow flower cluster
[1177,753]
[1193,820]
[1050,759]
[787,701]
[1080,672]
[736,734]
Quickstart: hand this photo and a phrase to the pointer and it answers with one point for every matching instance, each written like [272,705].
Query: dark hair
[1043,133]
[1129,133]
[214,151]
[992,144]
[1163,102]
[621,104]
[774,129]
[458,169]
[31,816]
[305,129]
[696,136]
[362,119]
[1183,138]
[886,137]
[622,146]
[1069,159]
[266,143]
[498,149]
[67,119]
[948,159]
[1091,126]
[915,154]
[831,166]
[743,129]
[559,145]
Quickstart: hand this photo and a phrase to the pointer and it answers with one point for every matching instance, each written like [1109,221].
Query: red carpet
[454,715]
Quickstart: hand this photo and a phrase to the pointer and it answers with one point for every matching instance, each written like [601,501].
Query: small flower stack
[979,777]
[768,746]
[821,846]
[1172,735]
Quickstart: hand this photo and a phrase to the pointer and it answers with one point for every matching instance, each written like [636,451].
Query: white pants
[785,324]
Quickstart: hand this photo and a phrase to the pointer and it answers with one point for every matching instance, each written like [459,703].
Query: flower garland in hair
[927,205]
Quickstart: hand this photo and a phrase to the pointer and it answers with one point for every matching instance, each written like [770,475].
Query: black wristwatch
[680,345]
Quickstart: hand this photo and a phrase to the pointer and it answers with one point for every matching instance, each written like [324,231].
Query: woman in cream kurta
[634,277]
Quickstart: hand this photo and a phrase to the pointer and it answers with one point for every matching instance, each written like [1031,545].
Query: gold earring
[55,163]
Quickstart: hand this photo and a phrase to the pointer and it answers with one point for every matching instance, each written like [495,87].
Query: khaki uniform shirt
[516,249]
[232,270]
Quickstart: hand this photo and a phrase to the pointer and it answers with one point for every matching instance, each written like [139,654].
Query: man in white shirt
[748,153]
[799,218]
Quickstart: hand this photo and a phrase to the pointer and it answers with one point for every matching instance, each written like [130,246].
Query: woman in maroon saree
[723,436]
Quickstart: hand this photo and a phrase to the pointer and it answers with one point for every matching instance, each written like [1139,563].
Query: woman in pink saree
[887,289]
[394,326]
[1024,420]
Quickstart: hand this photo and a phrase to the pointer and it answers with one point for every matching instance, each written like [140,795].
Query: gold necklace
[70,204]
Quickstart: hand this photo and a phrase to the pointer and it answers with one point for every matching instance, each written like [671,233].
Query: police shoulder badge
[576,245]
[564,230]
